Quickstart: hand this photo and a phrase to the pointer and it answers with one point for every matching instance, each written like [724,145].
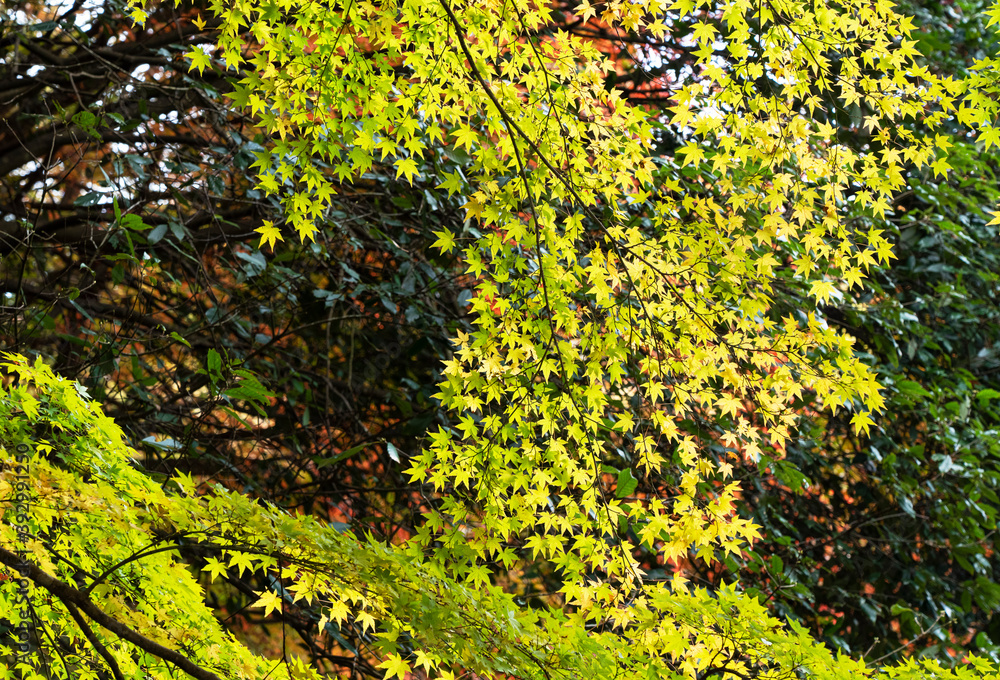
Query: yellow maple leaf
[268,234]
[861,422]
[395,666]
[270,601]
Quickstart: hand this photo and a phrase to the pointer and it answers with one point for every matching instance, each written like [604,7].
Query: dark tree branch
[94,642]
[73,597]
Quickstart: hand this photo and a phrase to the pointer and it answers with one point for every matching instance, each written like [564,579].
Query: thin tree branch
[94,642]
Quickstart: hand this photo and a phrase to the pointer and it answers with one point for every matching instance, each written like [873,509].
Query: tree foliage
[882,546]
[645,303]
[138,274]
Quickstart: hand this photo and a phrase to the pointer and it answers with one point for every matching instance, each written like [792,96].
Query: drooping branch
[74,598]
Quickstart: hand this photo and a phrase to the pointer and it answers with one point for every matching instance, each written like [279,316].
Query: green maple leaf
[199,59]
[445,242]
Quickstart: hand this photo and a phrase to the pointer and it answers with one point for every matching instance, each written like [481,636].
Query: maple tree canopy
[620,294]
